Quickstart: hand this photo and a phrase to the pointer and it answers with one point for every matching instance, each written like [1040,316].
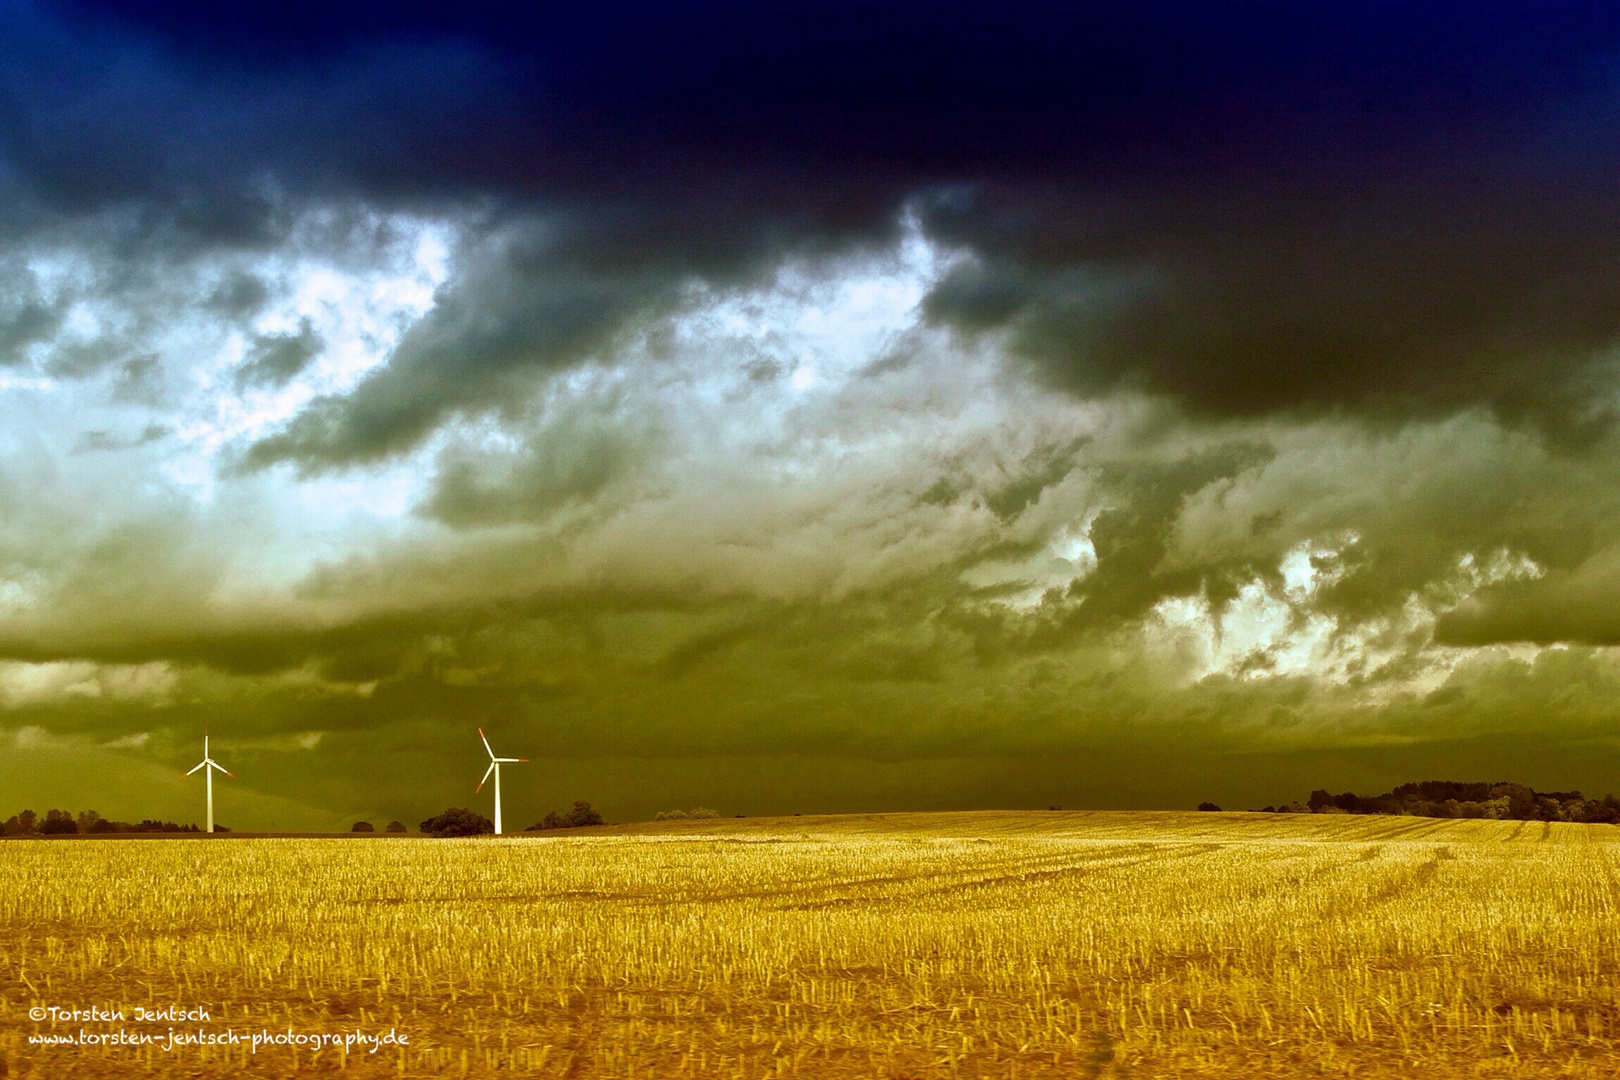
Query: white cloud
[24,683]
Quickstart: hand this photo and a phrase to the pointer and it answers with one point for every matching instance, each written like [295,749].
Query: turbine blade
[486,744]
[511,759]
[195,767]
[487,771]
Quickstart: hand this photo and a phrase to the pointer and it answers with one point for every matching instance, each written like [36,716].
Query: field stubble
[953,945]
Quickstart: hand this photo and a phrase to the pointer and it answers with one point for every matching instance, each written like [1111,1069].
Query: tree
[1209,807]
[551,821]
[58,823]
[362,826]
[395,826]
[458,821]
[1521,802]
[23,824]
[582,815]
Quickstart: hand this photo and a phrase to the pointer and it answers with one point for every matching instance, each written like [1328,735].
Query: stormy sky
[793,407]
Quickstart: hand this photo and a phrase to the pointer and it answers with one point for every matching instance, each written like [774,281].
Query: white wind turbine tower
[208,765]
[494,767]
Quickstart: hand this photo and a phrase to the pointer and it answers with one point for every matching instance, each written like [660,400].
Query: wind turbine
[494,767]
[208,765]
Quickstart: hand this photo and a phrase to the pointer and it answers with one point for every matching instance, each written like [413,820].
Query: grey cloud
[106,441]
[1048,467]
[275,359]
[569,459]
[27,315]
[140,380]
[239,295]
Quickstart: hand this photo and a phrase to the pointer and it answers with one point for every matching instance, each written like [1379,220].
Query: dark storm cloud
[1398,295]
[1259,208]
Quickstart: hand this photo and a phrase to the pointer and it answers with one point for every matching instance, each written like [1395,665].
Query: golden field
[921,945]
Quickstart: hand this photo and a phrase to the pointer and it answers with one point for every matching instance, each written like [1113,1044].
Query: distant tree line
[1450,799]
[63,822]
[459,821]
[697,813]
[580,816]
[456,821]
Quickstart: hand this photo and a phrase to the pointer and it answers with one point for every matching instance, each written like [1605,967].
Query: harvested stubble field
[944,945]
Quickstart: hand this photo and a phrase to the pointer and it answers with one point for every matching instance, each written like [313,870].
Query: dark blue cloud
[909,88]
[1391,206]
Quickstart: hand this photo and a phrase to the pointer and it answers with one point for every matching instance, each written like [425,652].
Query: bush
[1209,807]
[395,826]
[458,821]
[362,826]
